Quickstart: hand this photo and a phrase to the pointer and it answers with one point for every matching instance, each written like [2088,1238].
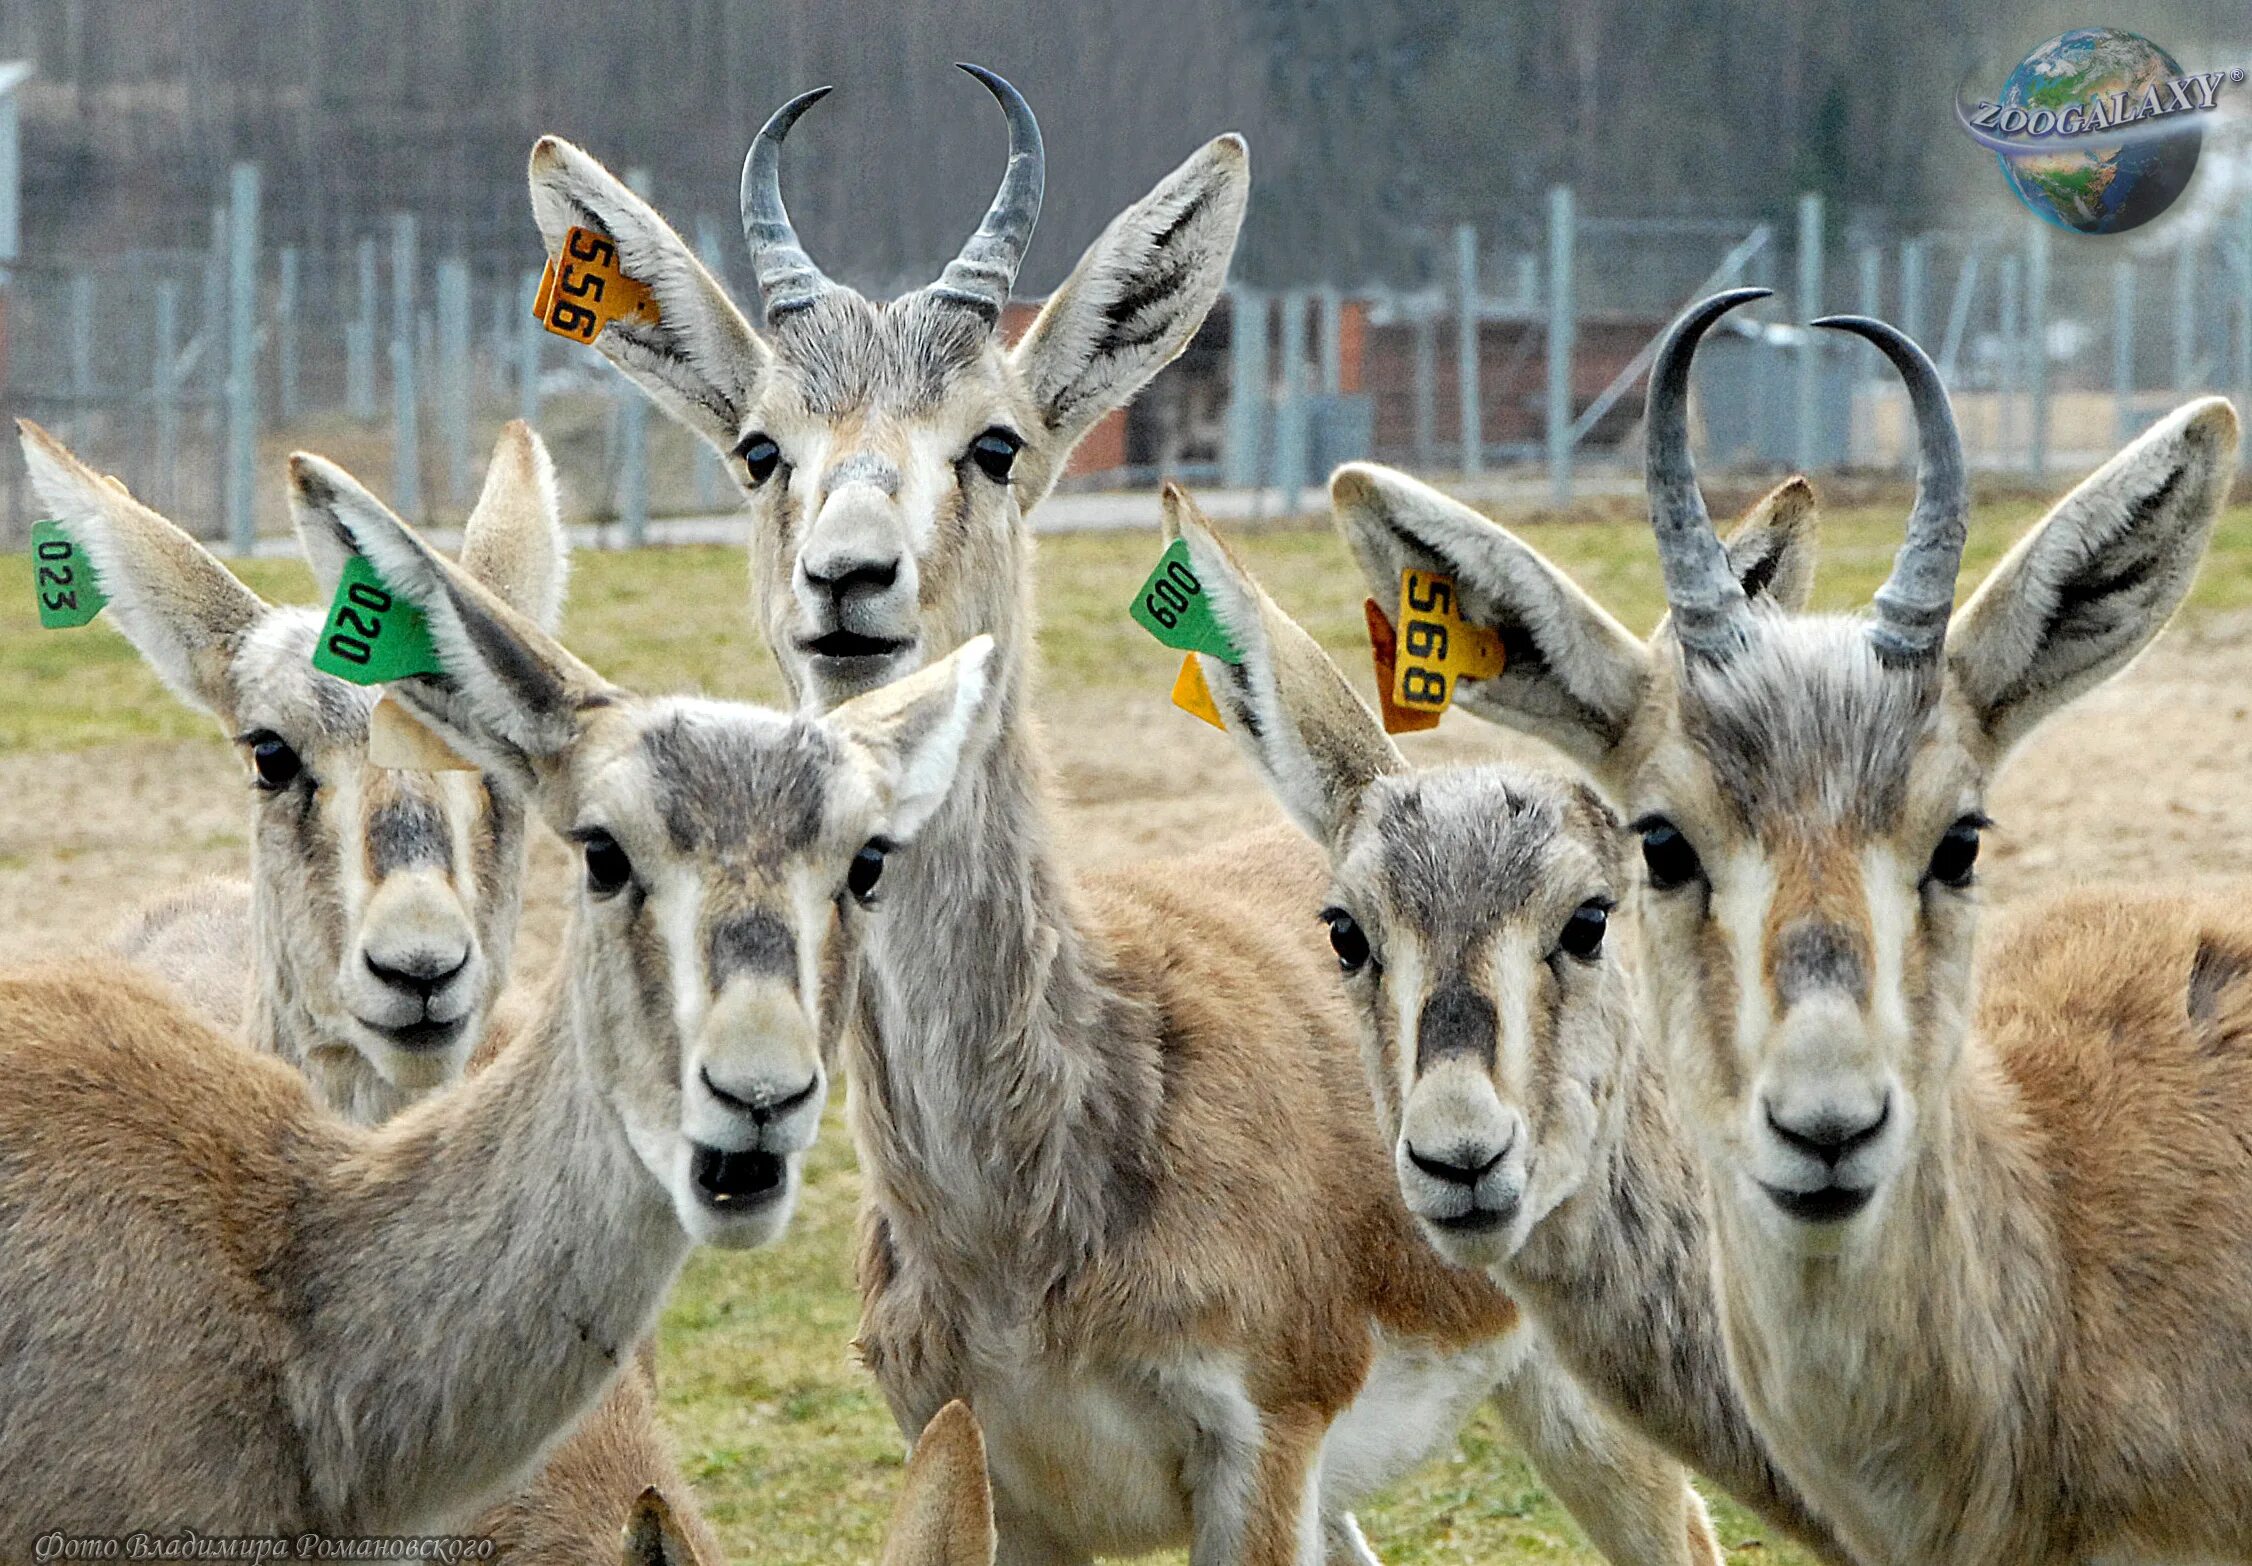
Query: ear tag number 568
[1437,648]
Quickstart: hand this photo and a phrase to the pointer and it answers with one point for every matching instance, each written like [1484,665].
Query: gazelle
[234,1312]
[1531,1132]
[1983,1238]
[1124,1191]
[349,860]
[382,904]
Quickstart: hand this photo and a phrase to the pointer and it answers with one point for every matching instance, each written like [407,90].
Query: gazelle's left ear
[699,359]
[944,1515]
[2091,585]
[1286,705]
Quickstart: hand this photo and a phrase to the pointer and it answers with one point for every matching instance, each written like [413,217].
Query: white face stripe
[1407,980]
[1741,897]
[1893,918]
[1512,971]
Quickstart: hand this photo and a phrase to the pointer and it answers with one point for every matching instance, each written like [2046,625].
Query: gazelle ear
[2091,585]
[1571,674]
[511,698]
[1136,297]
[186,613]
[700,360]
[653,1537]
[1286,705]
[514,542]
[944,1516]
[1772,553]
[912,733]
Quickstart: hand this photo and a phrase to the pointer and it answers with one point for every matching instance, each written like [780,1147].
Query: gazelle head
[1470,910]
[889,452]
[387,900]
[730,855]
[1810,788]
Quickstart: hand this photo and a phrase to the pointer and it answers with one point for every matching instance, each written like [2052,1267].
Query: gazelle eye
[867,869]
[607,867]
[1667,854]
[276,764]
[1583,932]
[1957,854]
[995,453]
[760,457]
[1347,939]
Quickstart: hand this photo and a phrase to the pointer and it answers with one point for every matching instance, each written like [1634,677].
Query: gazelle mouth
[737,1182]
[852,644]
[1475,1220]
[418,1036]
[1825,1204]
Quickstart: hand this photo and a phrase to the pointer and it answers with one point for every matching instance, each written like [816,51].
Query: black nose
[1832,1138]
[852,576]
[1465,1163]
[764,1108]
[421,973]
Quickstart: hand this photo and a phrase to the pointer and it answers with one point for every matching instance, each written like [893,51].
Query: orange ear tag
[1192,695]
[582,291]
[1437,648]
[1397,719]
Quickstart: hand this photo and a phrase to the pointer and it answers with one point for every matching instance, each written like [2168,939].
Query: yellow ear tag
[582,291]
[1192,695]
[1437,647]
[398,743]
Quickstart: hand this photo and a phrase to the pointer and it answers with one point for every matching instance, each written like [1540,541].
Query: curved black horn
[1915,601]
[981,276]
[1708,602]
[787,278]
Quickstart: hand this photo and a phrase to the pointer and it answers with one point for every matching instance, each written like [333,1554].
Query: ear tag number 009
[62,579]
[582,290]
[1437,648]
[371,636]
[1171,605]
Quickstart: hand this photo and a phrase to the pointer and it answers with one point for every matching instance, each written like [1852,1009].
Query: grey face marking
[717,784]
[1456,1020]
[408,831]
[846,354]
[1812,955]
[862,467]
[754,944]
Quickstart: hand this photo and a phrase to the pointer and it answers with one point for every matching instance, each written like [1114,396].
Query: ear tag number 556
[582,291]
[1437,648]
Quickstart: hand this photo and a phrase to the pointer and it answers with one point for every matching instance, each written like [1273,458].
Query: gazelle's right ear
[1572,674]
[654,1538]
[700,360]
[944,1516]
[184,611]
[514,542]
[511,698]
[1772,553]
[913,733]
[1286,705]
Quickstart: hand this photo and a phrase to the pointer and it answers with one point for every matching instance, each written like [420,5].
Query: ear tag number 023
[62,579]
[371,636]
[1437,648]
[582,291]
[1171,605]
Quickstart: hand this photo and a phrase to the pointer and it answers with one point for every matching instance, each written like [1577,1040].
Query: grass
[790,1449]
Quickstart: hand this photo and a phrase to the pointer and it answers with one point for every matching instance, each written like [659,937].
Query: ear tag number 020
[62,579]
[1172,606]
[1437,647]
[582,291]
[370,636]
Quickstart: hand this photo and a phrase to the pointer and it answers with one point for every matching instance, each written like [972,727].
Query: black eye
[1347,939]
[277,765]
[995,452]
[1583,932]
[1957,854]
[607,867]
[760,457]
[1671,861]
[867,869]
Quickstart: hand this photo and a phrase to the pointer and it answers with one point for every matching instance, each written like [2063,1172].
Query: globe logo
[2098,130]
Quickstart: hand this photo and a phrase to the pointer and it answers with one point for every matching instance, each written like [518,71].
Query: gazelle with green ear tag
[1123,1194]
[1983,1233]
[245,1316]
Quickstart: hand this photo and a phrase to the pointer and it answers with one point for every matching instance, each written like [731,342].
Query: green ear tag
[371,636]
[1172,607]
[63,579]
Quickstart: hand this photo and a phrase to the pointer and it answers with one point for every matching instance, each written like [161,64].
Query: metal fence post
[2037,346]
[359,340]
[633,431]
[1563,345]
[1472,422]
[2010,324]
[1809,306]
[242,358]
[406,442]
[285,333]
[1247,387]
[1426,389]
[165,392]
[2123,350]
[2185,315]
[1290,421]
[528,334]
[82,356]
[1332,304]
[453,373]
[1913,255]
[1869,298]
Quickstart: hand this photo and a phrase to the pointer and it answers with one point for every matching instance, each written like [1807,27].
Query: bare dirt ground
[2148,781]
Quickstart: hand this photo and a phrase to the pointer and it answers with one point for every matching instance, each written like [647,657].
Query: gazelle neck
[280,1023]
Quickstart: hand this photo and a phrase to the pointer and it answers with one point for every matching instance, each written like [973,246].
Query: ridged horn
[980,278]
[787,278]
[1709,606]
[1913,605]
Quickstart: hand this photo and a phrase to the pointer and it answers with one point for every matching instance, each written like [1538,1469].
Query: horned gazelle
[1983,1240]
[308,1325]
[1123,1189]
